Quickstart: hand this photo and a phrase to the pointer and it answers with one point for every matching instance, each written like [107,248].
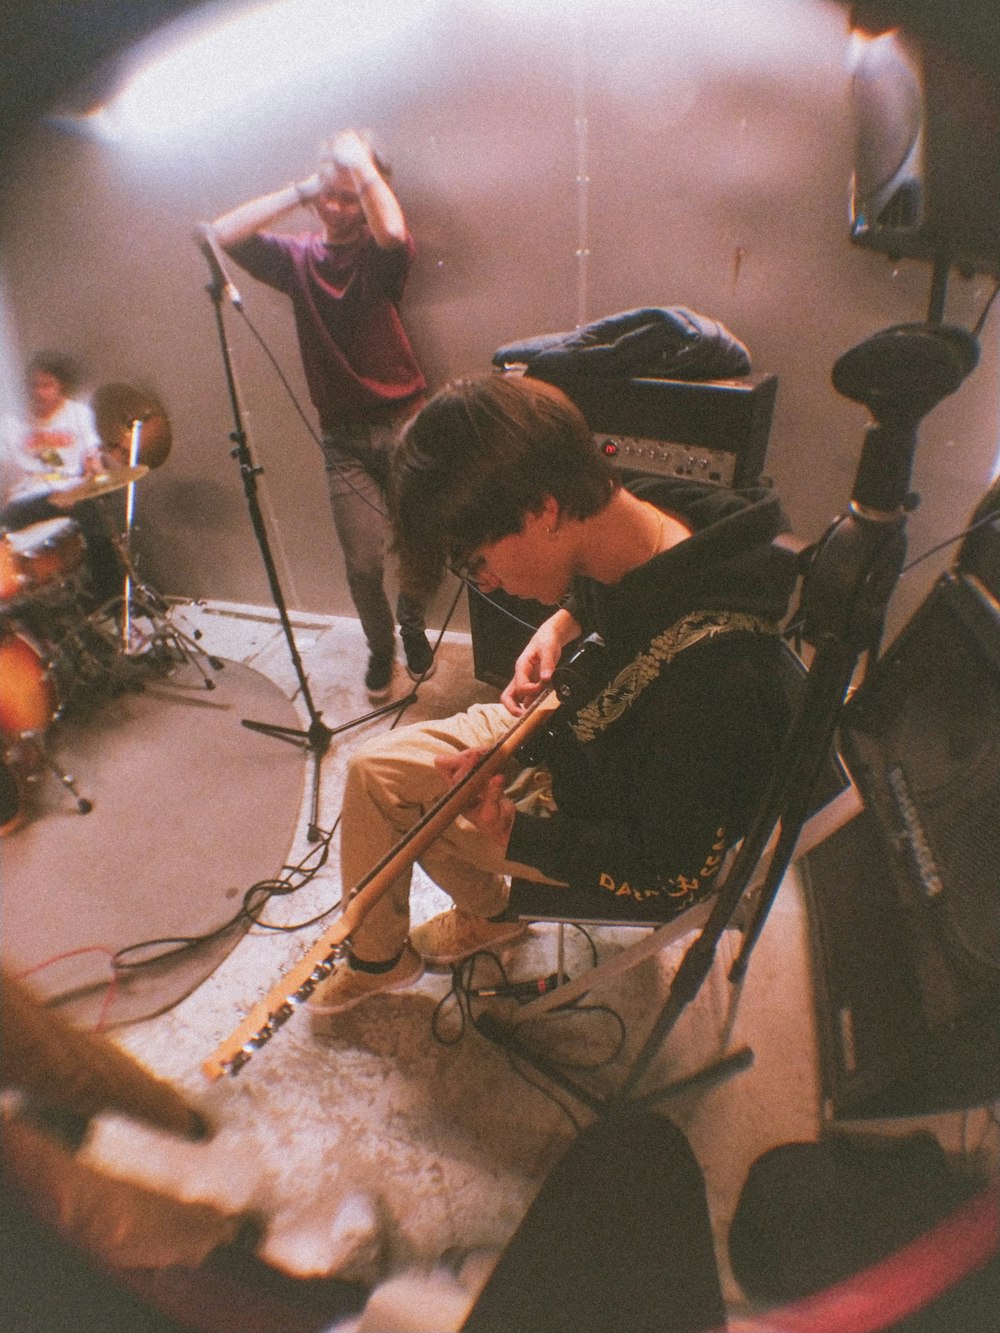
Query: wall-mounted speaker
[927,155]
[714,431]
[904,901]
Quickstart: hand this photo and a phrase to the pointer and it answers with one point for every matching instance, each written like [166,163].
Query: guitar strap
[621,693]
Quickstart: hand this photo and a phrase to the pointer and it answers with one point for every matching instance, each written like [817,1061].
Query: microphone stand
[899,375]
[316,739]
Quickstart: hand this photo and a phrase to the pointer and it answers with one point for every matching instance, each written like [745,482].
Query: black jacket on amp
[648,806]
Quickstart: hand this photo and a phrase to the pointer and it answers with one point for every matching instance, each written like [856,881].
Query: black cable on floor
[483,972]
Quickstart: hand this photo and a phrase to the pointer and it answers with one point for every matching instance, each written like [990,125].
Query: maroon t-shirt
[355,352]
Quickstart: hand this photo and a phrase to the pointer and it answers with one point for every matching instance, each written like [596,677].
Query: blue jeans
[356,455]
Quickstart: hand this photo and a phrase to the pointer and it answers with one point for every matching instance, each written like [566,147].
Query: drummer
[53,449]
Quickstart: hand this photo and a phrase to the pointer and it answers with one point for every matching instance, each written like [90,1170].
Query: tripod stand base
[505,1037]
[139,631]
[316,741]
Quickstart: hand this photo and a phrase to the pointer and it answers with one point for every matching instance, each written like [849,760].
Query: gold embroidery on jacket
[630,682]
[682,888]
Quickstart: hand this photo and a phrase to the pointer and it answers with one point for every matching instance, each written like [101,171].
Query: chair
[835,800]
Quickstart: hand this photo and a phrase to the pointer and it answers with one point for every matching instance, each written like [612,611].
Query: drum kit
[58,651]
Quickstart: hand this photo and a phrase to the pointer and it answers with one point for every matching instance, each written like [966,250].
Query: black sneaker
[420,660]
[378,677]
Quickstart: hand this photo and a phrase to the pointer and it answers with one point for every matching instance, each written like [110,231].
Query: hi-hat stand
[119,621]
[899,375]
[315,740]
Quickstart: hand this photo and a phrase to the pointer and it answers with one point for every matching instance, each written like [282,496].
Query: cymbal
[116,408]
[102,483]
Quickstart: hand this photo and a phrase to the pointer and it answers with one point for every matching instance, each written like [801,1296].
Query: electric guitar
[295,987]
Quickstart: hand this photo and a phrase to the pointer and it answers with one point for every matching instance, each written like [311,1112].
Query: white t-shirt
[52,455]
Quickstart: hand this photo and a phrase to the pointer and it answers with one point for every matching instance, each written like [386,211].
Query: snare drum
[29,699]
[39,557]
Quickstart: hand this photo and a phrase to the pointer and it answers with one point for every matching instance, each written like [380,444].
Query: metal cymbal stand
[138,601]
[135,437]
[315,740]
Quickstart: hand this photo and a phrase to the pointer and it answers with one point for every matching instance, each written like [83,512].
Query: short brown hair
[483,454]
[60,366]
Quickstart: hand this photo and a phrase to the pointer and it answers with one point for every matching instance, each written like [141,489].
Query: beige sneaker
[348,986]
[453,935]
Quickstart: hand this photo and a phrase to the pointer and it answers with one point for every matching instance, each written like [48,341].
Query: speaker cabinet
[714,431]
[904,902]
[500,626]
[927,156]
[979,555]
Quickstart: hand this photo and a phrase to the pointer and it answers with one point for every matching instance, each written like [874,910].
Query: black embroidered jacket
[650,791]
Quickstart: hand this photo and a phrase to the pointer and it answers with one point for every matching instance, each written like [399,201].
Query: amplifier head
[708,430]
[667,459]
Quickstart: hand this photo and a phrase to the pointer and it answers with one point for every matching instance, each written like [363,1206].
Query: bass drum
[29,699]
[40,558]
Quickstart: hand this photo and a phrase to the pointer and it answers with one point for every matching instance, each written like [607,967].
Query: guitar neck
[296,985]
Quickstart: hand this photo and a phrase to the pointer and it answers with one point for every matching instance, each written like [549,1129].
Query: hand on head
[313,186]
[346,151]
[350,150]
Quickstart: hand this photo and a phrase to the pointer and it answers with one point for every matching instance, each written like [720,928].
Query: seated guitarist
[639,791]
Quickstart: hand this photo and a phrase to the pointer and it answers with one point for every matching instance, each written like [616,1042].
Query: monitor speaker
[904,901]
[927,155]
[979,554]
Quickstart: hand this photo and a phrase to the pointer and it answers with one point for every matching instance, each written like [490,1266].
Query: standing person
[54,448]
[638,792]
[345,282]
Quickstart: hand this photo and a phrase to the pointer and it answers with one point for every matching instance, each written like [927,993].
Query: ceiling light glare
[212,74]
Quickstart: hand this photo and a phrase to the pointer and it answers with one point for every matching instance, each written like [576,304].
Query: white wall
[698,153]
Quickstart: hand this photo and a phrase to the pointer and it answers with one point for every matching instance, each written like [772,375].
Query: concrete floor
[368,1145]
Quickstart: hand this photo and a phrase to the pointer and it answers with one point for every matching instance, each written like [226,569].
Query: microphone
[519,990]
[204,238]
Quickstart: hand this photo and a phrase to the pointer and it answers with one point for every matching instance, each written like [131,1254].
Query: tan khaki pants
[391,783]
